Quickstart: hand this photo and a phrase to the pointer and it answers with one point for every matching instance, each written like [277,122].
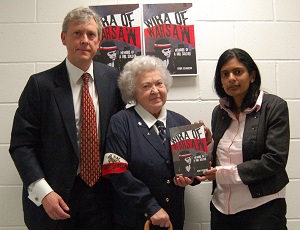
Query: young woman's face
[236,79]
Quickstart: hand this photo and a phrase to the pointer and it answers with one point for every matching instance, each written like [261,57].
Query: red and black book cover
[189,150]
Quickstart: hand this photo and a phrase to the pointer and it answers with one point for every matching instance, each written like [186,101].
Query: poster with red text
[121,34]
[169,34]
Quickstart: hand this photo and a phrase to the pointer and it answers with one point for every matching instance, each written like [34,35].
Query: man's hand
[55,206]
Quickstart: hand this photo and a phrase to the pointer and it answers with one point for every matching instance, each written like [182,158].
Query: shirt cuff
[38,190]
[228,175]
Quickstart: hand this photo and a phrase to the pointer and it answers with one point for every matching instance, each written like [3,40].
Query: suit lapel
[64,100]
[102,91]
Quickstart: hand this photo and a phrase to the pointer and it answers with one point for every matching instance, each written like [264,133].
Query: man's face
[82,42]
[112,55]
[167,52]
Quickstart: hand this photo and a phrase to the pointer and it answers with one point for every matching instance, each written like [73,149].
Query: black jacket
[265,145]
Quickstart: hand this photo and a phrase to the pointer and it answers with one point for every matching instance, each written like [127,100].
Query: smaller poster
[121,34]
[169,35]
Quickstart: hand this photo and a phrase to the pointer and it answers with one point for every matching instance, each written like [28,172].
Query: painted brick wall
[269,30]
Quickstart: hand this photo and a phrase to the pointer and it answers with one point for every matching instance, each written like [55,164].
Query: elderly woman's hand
[161,218]
[182,181]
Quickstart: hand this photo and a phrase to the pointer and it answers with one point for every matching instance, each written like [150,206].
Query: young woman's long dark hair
[253,92]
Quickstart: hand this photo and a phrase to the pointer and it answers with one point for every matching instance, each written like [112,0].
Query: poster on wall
[121,34]
[169,34]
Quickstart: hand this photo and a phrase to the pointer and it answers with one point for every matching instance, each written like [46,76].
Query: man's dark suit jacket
[265,145]
[44,139]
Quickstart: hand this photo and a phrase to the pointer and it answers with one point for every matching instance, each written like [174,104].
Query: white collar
[148,118]
[75,73]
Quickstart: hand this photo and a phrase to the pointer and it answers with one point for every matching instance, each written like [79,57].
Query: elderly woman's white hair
[134,68]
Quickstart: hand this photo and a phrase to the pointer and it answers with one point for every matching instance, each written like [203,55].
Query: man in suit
[45,140]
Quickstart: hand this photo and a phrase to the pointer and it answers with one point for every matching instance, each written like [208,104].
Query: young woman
[251,143]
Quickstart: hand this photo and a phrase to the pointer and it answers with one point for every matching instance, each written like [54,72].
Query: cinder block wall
[269,30]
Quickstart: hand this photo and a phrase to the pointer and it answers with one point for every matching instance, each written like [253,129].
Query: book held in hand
[189,150]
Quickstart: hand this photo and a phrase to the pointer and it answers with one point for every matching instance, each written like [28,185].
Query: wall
[269,30]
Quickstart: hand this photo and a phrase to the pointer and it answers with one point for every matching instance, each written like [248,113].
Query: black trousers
[269,216]
[90,208]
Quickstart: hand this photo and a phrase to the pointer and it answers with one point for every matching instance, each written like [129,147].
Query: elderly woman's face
[151,92]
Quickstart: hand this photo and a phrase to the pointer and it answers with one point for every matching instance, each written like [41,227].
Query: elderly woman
[138,161]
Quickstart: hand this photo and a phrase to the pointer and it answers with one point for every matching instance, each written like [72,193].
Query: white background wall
[268,29]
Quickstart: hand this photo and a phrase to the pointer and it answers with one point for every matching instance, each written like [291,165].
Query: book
[189,150]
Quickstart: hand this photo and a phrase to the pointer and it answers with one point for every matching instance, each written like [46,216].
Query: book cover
[189,150]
